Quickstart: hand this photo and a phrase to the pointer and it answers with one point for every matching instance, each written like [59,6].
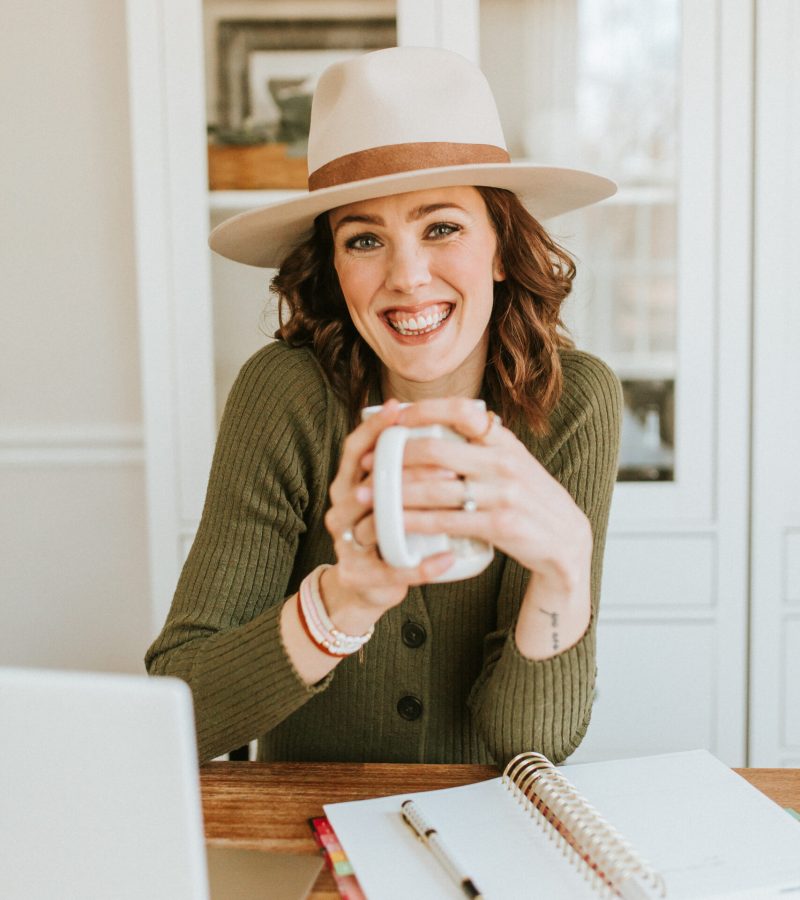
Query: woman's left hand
[519,508]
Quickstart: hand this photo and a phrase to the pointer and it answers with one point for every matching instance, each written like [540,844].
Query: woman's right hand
[360,587]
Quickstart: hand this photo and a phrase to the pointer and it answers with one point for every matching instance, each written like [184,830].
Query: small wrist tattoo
[553,616]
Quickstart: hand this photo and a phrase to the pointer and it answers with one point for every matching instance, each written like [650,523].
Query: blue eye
[442,229]
[362,242]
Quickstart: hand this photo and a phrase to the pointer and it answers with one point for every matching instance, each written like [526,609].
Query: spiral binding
[591,844]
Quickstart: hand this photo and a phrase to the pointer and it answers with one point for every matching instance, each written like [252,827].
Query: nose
[408,268]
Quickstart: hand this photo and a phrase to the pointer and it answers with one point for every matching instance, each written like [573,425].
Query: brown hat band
[394,158]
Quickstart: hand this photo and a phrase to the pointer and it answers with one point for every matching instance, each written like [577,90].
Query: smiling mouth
[424,321]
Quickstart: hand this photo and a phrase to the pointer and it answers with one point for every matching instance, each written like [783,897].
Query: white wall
[72,511]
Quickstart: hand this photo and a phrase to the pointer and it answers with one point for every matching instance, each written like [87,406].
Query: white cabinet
[679,607]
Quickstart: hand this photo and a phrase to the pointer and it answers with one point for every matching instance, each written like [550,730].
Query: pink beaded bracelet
[317,624]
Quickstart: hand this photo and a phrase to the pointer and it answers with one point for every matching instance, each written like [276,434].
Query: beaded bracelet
[317,624]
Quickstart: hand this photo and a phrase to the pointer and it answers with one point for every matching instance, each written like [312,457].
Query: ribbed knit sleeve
[268,480]
[520,704]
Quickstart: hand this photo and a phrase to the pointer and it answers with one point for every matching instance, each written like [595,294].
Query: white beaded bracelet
[317,624]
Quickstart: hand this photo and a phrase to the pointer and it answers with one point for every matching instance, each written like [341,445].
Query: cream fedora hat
[398,120]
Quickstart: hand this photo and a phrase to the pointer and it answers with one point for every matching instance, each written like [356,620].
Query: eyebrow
[419,212]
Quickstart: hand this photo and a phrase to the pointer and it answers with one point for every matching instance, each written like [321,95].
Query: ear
[498,272]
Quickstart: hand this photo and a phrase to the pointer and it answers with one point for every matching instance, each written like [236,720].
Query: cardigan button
[413,634]
[410,707]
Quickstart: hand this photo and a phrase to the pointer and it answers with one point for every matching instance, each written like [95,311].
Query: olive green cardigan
[442,679]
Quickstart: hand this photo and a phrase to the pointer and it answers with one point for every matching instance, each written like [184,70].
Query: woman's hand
[361,587]
[519,508]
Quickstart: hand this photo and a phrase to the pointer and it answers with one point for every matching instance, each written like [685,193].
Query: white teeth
[419,324]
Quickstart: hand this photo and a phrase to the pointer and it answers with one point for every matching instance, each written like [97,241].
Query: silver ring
[348,536]
[468,504]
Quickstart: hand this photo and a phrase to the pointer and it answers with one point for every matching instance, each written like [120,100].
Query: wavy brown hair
[523,369]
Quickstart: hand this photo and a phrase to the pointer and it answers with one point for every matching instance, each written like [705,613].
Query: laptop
[100,797]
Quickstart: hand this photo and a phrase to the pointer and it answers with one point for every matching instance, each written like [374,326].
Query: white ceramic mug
[397,547]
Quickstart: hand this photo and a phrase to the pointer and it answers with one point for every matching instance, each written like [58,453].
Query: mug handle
[388,499]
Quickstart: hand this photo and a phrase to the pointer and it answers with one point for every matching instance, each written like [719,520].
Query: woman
[401,280]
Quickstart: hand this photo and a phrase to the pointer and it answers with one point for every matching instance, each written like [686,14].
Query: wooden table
[266,806]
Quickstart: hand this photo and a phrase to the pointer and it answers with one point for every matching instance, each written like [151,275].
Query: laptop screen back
[99,792]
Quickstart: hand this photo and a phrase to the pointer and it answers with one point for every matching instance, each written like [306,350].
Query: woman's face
[417,271]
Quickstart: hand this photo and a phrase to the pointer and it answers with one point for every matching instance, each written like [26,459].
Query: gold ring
[492,417]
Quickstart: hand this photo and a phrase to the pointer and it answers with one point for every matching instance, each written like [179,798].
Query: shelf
[239,201]
[653,366]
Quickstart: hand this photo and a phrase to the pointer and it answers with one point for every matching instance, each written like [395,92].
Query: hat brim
[265,236]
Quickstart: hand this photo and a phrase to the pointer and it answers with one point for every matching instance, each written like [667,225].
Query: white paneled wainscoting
[73,547]
[73,445]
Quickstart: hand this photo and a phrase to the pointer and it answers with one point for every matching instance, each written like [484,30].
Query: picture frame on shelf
[267,70]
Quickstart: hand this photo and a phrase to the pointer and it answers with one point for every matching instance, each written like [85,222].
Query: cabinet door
[627,88]
[200,319]
[651,94]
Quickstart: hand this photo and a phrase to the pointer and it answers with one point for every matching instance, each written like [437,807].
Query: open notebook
[100,797]
[692,829]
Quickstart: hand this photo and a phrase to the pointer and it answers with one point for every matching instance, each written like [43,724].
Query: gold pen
[433,841]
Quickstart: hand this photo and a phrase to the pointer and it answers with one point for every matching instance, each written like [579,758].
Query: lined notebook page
[703,827]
